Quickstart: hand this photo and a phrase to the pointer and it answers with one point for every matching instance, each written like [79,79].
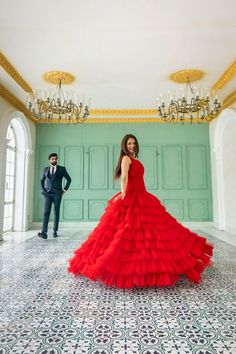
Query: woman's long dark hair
[124,151]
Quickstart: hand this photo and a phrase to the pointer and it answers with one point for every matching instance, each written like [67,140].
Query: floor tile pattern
[45,310]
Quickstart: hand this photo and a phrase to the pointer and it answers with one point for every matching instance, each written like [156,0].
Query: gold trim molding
[123,112]
[15,102]
[183,76]
[228,74]
[54,77]
[9,68]
[117,120]
[229,100]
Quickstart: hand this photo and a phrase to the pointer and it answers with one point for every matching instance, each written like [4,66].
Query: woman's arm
[124,174]
[125,163]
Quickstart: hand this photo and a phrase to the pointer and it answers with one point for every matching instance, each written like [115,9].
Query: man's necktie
[53,168]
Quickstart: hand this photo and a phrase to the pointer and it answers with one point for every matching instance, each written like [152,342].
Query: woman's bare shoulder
[126,159]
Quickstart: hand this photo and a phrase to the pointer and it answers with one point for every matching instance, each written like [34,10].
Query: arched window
[9,197]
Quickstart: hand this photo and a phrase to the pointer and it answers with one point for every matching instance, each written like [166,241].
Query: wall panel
[198,209]
[96,208]
[149,158]
[74,162]
[73,209]
[172,172]
[98,167]
[175,207]
[197,168]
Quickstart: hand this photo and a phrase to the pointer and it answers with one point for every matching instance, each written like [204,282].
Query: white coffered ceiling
[120,51]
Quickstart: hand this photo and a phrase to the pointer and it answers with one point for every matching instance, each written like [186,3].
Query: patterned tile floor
[45,310]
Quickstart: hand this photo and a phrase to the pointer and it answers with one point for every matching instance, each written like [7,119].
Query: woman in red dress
[137,243]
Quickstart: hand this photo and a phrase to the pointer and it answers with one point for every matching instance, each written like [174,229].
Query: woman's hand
[119,196]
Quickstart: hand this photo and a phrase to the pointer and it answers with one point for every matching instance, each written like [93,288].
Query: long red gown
[137,243]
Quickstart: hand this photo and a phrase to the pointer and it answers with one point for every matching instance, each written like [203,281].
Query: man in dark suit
[51,184]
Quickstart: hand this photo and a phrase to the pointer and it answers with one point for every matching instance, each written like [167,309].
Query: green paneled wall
[176,160]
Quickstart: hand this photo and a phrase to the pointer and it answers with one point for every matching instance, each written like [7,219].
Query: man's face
[53,160]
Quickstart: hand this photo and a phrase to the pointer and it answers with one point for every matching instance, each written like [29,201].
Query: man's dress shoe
[42,235]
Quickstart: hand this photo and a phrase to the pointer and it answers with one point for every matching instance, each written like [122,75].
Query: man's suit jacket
[53,183]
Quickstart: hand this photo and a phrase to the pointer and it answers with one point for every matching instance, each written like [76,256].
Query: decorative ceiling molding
[54,77]
[123,112]
[229,100]
[228,74]
[15,102]
[120,114]
[183,76]
[117,120]
[9,68]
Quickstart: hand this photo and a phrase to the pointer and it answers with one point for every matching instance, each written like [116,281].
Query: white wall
[223,160]
[24,193]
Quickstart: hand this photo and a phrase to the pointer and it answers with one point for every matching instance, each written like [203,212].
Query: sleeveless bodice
[135,177]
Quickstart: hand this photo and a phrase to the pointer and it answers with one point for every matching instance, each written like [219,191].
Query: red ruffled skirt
[137,243]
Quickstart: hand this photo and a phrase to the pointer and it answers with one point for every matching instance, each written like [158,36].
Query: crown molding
[117,120]
[9,68]
[229,100]
[228,74]
[15,102]
[123,112]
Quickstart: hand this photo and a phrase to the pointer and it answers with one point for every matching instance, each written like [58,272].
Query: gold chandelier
[55,104]
[190,104]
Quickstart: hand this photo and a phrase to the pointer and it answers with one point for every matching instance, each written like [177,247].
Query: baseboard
[230,229]
[90,225]
[67,225]
[197,224]
[218,226]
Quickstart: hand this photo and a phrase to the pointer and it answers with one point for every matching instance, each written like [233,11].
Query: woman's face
[131,145]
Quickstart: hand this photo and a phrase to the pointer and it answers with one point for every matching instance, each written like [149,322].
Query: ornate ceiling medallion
[183,76]
[54,77]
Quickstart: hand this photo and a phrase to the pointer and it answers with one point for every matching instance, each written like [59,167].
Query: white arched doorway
[224,170]
[23,148]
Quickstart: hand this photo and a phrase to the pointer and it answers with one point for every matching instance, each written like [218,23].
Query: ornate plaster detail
[9,68]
